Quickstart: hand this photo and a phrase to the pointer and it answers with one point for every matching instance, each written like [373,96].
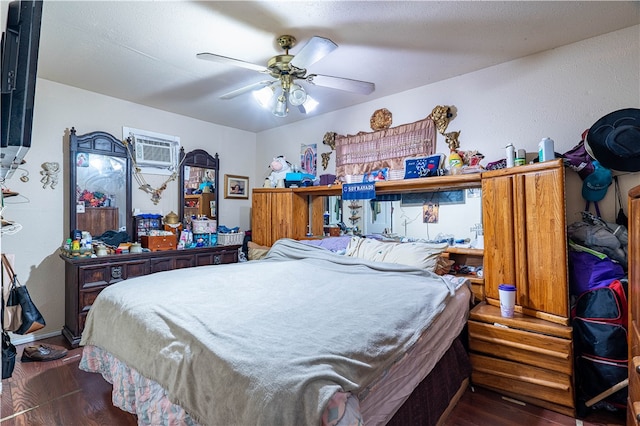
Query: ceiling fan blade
[315,49]
[340,83]
[237,62]
[248,88]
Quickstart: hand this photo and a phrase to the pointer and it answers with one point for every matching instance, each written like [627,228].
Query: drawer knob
[638,371]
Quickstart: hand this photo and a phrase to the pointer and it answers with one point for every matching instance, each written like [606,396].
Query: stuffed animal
[279,169]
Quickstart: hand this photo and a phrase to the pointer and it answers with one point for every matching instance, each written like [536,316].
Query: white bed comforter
[266,342]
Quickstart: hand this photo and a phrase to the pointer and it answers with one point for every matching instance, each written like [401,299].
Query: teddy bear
[279,169]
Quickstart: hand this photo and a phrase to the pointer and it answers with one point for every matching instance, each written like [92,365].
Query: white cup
[507,299]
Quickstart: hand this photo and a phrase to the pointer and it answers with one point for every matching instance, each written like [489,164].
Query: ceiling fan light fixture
[309,105]
[264,96]
[297,95]
[281,109]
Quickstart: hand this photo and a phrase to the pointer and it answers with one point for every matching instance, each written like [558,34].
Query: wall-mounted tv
[20,43]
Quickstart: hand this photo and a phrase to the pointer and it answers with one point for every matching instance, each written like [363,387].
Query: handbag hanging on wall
[8,356]
[8,349]
[24,316]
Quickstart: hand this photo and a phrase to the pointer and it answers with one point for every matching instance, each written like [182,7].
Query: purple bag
[579,160]
[588,272]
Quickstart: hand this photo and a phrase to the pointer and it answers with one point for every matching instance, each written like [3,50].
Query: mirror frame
[199,158]
[101,143]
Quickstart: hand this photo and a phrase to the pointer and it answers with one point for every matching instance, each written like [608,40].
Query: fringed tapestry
[364,152]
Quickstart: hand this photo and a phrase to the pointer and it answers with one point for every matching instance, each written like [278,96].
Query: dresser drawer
[516,378]
[219,258]
[105,274]
[87,298]
[95,276]
[521,346]
[159,243]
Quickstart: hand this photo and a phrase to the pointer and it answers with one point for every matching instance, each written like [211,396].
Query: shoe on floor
[42,353]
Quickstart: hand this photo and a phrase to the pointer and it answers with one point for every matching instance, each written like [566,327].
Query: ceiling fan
[286,69]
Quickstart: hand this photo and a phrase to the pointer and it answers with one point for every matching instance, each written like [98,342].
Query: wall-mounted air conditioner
[154,153]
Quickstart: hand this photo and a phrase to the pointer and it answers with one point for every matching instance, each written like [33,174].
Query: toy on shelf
[279,169]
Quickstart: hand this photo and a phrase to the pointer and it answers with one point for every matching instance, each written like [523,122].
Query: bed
[302,337]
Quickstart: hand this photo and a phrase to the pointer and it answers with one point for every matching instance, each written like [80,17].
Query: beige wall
[557,93]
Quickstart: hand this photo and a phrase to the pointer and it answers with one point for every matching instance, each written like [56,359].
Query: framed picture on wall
[236,187]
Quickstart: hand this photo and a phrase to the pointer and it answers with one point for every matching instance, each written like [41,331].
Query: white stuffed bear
[279,169]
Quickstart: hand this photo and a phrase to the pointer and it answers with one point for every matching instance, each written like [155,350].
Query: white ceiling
[145,51]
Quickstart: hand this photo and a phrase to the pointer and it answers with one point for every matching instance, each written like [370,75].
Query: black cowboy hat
[614,140]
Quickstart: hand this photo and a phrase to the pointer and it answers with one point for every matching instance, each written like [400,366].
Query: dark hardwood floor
[59,393]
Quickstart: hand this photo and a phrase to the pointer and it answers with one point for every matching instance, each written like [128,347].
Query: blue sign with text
[358,191]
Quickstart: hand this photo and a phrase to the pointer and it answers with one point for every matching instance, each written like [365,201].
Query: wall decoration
[236,187]
[330,139]
[441,115]
[309,158]
[156,193]
[381,119]
[326,156]
[49,174]
[363,152]
[430,212]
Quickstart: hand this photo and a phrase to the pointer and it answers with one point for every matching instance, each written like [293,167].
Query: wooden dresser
[530,356]
[633,403]
[85,278]
[523,357]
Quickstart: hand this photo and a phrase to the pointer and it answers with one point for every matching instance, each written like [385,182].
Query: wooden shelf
[471,257]
[465,250]
[202,205]
[435,183]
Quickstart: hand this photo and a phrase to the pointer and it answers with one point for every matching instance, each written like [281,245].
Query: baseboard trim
[18,339]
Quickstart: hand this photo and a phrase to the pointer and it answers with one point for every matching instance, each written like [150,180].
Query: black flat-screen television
[20,43]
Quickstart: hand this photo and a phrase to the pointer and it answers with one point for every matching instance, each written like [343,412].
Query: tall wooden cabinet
[530,356]
[633,403]
[282,213]
[525,244]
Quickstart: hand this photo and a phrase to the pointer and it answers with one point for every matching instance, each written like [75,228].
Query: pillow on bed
[419,255]
[335,244]
[368,249]
[256,251]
